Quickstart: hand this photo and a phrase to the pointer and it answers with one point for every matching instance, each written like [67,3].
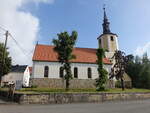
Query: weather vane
[104,6]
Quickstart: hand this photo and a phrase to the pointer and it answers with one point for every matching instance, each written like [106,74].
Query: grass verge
[48,90]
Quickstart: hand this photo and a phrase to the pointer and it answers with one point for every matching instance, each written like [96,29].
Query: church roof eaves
[107,34]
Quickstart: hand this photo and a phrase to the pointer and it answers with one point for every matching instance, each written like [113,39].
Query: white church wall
[38,69]
[83,70]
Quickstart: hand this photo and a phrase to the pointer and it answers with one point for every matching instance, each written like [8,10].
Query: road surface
[141,106]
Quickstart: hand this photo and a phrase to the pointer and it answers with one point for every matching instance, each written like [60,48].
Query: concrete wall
[74,83]
[38,69]
[60,83]
[65,98]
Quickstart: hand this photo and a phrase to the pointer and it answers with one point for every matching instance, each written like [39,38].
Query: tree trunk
[122,84]
[68,75]
[67,84]
[1,74]
[0,80]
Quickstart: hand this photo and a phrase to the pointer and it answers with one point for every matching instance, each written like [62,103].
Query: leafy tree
[145,59]
[118,70]
[139,71]
[102,79]
[5,61]
[145,77]
[64,47]
[133,69]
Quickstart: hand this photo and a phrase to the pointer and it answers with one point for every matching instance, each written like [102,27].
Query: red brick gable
[83,55]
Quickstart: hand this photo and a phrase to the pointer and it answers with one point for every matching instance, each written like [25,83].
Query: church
[47,71]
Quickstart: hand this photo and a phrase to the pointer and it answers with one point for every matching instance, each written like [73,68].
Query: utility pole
[3,58]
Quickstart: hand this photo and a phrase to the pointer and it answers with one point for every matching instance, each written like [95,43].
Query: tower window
[75,72]
[112,38]
[61,72]
[99,41]
[46,71]
[89,73]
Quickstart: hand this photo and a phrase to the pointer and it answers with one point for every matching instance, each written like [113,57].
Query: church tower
[108,40]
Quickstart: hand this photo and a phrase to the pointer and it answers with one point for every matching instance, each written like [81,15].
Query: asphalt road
[142,106]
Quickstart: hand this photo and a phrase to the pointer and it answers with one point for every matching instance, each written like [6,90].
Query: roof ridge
[74,47]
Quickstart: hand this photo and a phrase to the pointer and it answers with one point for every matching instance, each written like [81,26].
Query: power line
[3,29]
[19,46]
[1,34]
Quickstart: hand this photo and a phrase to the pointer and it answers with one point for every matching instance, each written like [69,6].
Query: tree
[5,61]
[118,70]
[64,46]
[102,79]
[145,77]
[145,59]
[133,69]
[139,71]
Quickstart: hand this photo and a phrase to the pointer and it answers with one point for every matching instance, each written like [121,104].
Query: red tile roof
[83,55]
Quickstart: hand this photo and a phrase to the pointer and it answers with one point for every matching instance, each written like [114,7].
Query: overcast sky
[30,21]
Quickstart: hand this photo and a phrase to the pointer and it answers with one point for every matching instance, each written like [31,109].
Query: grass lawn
[116,90]
[48,90]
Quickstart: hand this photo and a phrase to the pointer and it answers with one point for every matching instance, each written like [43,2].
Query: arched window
[89,73]
[61,72]
[75,72]
[46,71]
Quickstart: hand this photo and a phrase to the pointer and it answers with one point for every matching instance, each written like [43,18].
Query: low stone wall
[60,83]
[65,98]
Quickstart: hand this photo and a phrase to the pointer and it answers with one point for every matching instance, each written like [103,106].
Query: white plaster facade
[54,68]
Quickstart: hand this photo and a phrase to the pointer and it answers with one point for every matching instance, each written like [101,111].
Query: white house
[19,75]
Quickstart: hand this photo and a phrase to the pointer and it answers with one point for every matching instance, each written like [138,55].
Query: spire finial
[104,6]
[106,28]
[105,16]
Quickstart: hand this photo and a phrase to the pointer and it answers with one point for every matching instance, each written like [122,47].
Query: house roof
[18,68]
[83,55]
